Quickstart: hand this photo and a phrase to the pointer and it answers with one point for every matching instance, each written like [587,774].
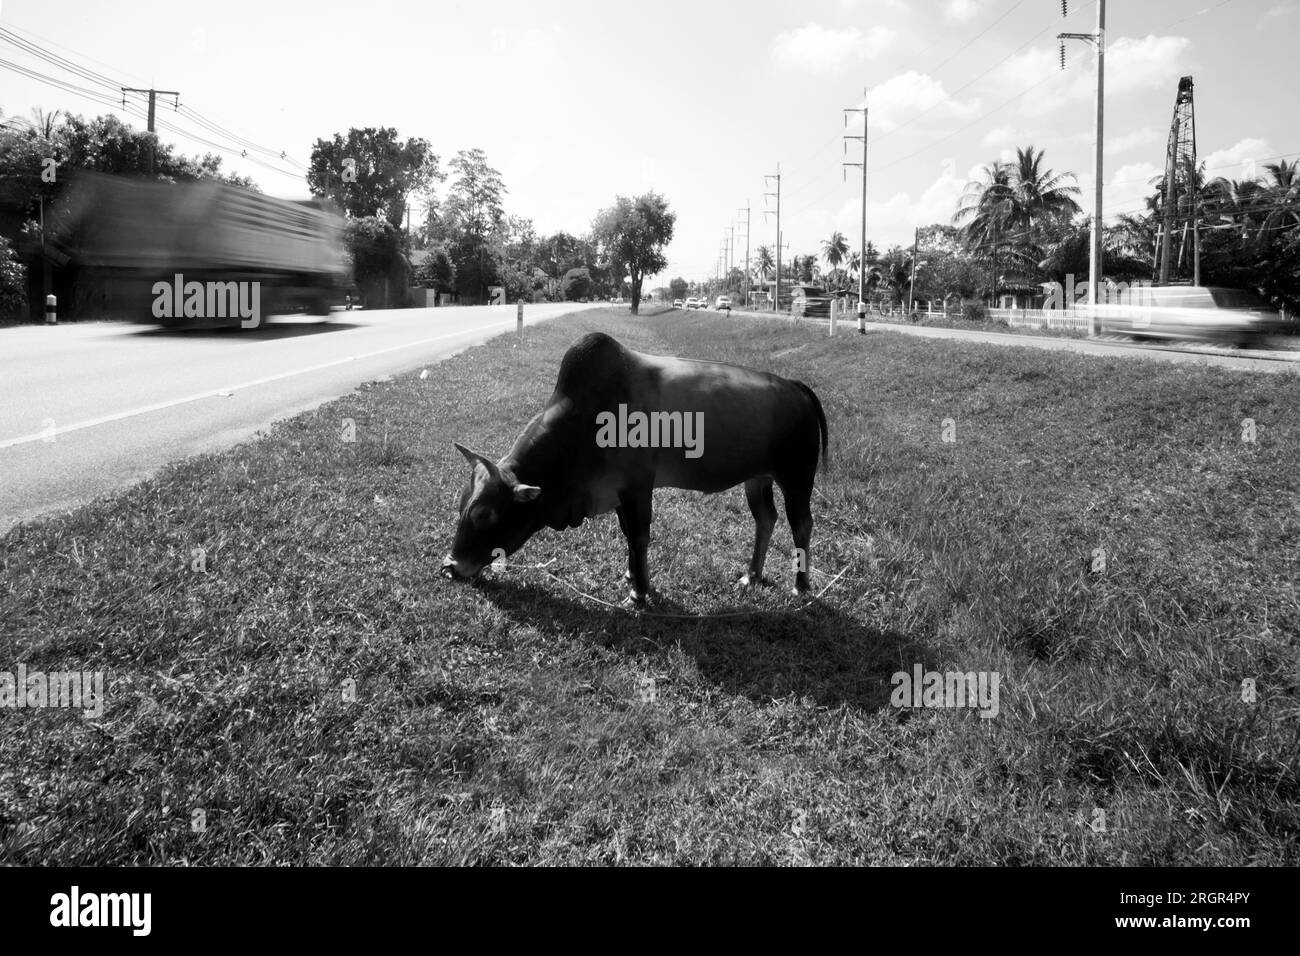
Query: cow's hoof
[636,602]
[746,581]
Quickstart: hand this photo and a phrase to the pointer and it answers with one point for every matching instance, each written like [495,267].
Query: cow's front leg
[634,514]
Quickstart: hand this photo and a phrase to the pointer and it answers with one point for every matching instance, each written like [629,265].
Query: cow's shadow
[819,652]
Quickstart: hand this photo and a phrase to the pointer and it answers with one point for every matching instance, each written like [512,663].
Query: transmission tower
[1181,212]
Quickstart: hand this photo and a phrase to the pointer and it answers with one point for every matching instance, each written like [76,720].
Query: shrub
[13,282]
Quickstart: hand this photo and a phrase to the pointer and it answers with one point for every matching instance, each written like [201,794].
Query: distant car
[694,303]
[677,303]
[723,303]
[1205,313]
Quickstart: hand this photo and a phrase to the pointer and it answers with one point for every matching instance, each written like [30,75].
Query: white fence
[1074,319]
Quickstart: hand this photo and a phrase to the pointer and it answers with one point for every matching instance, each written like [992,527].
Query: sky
[578,101]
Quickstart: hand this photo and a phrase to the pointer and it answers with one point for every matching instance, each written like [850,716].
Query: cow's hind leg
[634,515]
[798,510]
[758,492]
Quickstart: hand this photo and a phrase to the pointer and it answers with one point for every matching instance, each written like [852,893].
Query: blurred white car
[694,303]
[1206,313]
[677,303]
[723,302]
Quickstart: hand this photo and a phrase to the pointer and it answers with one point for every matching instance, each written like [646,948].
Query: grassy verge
[941,321]
[516,721]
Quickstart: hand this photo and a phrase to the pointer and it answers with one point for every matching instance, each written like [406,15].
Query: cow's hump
[596,357]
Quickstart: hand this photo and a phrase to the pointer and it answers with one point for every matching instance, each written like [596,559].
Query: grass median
[290,680]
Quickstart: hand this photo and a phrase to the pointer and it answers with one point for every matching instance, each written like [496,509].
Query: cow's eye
[483,517]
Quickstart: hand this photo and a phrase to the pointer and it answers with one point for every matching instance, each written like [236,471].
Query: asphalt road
[90,408]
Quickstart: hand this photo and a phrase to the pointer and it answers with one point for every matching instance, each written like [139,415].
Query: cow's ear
[526,492]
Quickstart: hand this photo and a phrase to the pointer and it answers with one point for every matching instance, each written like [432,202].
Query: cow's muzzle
[452,572]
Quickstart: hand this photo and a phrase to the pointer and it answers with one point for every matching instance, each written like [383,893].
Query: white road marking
[230,389]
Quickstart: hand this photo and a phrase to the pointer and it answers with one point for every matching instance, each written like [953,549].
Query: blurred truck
[121,239]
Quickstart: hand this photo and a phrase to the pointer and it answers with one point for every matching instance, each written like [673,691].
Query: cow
[622,423]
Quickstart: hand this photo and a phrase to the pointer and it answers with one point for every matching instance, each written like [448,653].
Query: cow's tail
[821,422]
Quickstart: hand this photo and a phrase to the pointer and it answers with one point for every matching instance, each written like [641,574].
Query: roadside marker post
[51,310]
[835,311]
[519,317]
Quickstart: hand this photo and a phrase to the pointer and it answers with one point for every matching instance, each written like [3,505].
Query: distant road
[120,401]
[1254,360]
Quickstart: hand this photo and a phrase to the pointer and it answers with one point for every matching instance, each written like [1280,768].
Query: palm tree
[1231,203]
[835,249]
[1283,199]
[1016,208]
[764,263]
[1041,196]
[987,212]
[44,123]
[985,207]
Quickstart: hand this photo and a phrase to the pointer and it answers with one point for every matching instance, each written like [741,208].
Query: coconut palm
[835,249]
[1013,203]
[1041,196]
[764,263]
[1232,203]
[985,205]
[1282,192]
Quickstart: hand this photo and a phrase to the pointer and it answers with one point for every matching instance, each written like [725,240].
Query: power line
[243,144]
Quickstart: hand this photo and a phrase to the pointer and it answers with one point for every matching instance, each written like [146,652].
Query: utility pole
[776,302]
[862,248]
[153,96]
[911,286]
[1098,40]
[746,212]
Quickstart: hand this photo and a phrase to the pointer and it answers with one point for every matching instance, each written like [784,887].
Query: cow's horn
[474,457]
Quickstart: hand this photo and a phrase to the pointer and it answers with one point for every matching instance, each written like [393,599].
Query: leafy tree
[375,247]
[474,223]
[437,271]
[631,236]
[577,284]
[372,172]
[678,288]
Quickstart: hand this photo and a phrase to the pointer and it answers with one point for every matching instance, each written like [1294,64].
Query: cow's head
[497,514]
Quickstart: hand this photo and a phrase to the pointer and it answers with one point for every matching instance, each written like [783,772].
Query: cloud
[1134,139]
[901,97]
[849,6]
[961,10]
[1140,64]
[1131,65]
[814,48]
[1000,136]
[892,219]
[1243,160]
[1126,188]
